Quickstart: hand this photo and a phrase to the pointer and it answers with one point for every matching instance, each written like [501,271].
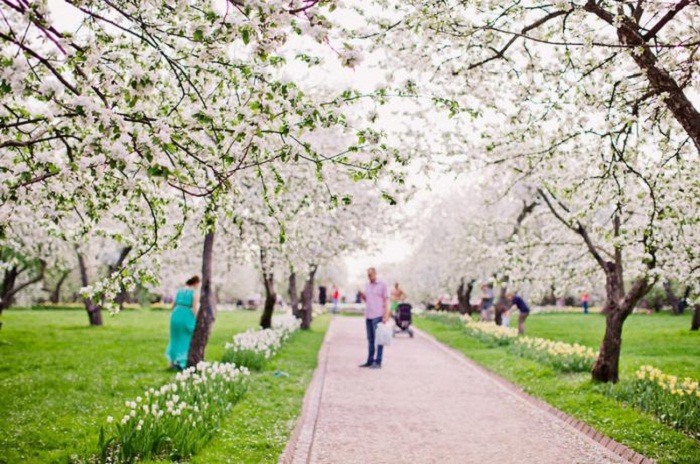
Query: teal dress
[182,322]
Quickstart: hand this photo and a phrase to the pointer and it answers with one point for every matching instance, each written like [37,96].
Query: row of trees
[150,128]
[147,118]
[582,118]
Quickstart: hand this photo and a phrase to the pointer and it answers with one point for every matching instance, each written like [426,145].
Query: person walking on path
[487,302]
[336,299]
[376,298]
[523,308]
[182,322]
[397,296]
[584,302]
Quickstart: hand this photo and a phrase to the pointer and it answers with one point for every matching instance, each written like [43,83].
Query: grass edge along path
[261,423]
[573,394]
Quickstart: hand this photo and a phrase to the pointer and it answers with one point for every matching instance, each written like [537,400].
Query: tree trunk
[695,325]
[8,287]
[671,298]
[270,300]
[307,299]
[294,294]
[94,311]
[464,293]
[123,295]
[501,305]
[55,297]
[207,309]
[617,308]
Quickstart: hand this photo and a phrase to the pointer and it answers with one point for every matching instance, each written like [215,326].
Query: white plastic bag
[384,334]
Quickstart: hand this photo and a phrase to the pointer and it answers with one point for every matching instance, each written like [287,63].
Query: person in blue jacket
[523,308]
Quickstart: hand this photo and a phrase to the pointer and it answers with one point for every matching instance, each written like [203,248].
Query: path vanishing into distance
[427,404]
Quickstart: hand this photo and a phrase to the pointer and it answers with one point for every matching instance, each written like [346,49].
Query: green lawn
[268,411]
[60,379]
[661,340]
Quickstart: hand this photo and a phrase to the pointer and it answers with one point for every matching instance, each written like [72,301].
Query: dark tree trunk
[671,298]
[618,303]
[464,293]
[501,305]
[56,292]
[207,309]
[695,325]
[550,299]
[10,288]
[270,300]
[294,294]
[617,307]
[307,297]
[123,295]
[94,310]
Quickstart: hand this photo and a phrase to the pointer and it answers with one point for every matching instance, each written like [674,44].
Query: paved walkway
[425,406]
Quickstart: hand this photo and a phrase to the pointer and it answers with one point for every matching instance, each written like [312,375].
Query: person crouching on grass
[376,298]
[523,309]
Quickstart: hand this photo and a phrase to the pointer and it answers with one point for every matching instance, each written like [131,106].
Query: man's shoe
[366,365]
[375,366]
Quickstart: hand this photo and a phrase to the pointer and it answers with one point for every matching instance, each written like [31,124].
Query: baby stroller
[402,318]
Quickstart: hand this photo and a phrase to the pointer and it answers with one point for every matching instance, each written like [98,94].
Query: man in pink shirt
[376,298]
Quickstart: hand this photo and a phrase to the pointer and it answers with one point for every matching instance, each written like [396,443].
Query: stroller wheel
[410,333]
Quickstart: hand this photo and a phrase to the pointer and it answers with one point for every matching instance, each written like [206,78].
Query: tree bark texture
[10,288]
[294,294]
[464,293]
[94,310]
[307,297]
[270,300]
[55,297]
[617,307]
[695,325]
[207,308]
[671,298]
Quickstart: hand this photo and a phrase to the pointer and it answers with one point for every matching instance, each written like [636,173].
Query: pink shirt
[376,296]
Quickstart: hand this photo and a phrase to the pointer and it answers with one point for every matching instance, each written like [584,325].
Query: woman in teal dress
[182,322]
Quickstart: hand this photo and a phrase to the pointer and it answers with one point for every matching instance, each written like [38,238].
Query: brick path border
[612,445]
[298,447]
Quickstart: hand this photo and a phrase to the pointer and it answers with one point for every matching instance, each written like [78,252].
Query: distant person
[487,302]
[584,302]
[524,310]
[505,317]
[376,298]
[358,297]
[397,296]
[322,297]
[182,323]
[335,296]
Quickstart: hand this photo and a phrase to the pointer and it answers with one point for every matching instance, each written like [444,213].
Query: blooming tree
[588,102]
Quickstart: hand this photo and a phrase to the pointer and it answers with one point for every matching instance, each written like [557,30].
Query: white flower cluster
[191,406]
[255,346]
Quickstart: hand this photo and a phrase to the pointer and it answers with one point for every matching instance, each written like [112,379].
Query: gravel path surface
[426,406]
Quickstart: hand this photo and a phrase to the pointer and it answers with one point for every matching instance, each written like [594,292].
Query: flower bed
[254,347]
[673,401]
[489,333]
[176,420]
[565,357]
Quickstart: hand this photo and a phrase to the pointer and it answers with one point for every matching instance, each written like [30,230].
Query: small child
[505,318]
